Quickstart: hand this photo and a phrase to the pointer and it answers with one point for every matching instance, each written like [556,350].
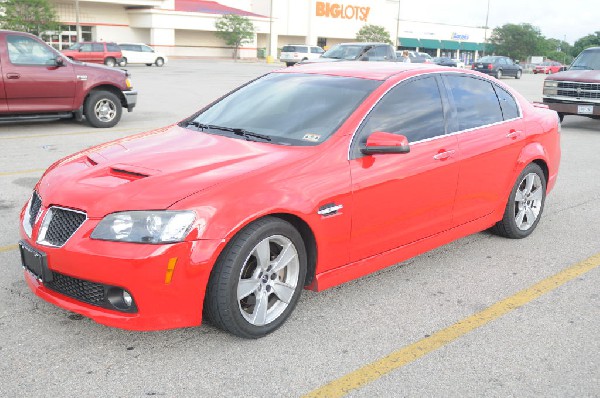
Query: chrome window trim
[440,73]
[41,240]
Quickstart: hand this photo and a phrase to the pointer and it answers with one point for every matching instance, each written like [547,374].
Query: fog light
[127,299]
[120,299]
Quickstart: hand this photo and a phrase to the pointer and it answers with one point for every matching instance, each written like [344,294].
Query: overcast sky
[557,19]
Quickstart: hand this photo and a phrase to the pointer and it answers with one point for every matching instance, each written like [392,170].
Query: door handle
[13,75]
[443,155]
[513,134]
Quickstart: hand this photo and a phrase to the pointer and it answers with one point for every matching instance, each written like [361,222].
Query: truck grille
[579,90]
[59,225]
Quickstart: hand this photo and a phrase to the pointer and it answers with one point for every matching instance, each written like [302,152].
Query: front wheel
[525,204]
[159,62]
[103,109]
[257,280]
[518,75]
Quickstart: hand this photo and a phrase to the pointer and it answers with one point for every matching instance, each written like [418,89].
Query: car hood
[154,170]
[576,75]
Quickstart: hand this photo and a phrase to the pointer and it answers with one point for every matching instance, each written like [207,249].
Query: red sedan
[307,177]
[548,67]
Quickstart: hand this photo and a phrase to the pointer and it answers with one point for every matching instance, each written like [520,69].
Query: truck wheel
[110,62]
[102,109]
[159,62]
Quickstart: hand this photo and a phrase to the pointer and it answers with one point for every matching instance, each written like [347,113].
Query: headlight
[550,83]
[550,91]
[145,226]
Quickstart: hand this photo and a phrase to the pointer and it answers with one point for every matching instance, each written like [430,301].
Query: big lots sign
[343,11]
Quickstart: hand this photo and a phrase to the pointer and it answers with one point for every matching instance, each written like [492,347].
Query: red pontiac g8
[304,178]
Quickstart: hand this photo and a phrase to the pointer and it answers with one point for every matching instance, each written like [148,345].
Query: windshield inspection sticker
[311,137]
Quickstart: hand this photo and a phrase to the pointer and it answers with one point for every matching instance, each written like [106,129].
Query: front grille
[36,204]
[59,225]
[82,290]
[579,90]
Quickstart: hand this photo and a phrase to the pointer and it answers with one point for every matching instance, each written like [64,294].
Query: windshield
[588,59]
[288,109]
[345,52]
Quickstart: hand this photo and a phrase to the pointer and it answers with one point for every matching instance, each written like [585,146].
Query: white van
[293,53]
[139,53]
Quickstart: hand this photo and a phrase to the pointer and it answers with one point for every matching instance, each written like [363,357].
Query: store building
[187,27]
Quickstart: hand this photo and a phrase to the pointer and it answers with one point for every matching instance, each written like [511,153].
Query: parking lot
[548,346]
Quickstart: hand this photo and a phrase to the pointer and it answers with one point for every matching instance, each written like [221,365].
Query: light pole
[487,17]
[398,26]
[269,55]
[77,24]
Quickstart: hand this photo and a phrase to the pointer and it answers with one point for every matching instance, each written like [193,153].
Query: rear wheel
[525,204]
[499,74]
[123,62]
[102,109]
[257,280]
[289,64]
[159,62]
[110,61]
[148,64]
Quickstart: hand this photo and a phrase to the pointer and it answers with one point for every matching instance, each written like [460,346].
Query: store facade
[187,27]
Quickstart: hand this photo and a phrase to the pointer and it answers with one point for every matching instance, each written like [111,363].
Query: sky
[558,19]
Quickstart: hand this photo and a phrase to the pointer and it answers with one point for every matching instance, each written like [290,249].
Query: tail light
[490,66]
[472,66]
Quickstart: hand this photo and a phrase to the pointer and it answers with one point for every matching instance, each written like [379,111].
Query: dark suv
[498,66]
[108,54]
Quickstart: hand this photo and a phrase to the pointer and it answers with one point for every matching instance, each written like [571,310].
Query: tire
[159,62]
[123,62]
[525,204]
[499,74]
[561,116]
[257,280]
[102,109]
[518,75]
[535,72]
[110,61]
[148,64]
[289,64]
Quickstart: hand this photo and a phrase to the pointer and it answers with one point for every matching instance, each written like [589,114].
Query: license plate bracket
[35,262]
[585,109]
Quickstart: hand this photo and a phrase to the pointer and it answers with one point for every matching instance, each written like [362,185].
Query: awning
[450,45]
[430,43]
[408,42]
[469,46]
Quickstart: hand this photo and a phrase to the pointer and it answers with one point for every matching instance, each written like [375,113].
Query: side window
[376,53]
[24,50]
[476,101]
[147,49]
[509,107]
[112,48]
[85,48]
[413,109]
[502,61]
[98,48]
[316,50]
[302,49]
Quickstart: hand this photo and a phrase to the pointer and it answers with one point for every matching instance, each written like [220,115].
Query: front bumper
[570,107]
[130,99]
[140,269]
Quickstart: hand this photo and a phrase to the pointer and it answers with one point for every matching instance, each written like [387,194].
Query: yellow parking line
[11,173]
[95,131]
[8,248]
[375,370]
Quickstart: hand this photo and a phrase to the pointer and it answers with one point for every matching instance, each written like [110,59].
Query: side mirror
[381,142]
[59,61]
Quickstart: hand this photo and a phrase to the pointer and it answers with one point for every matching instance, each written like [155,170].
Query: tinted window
[98,47]
[112,48]
[509,107]
[294,49]
[377,53]
[476,101]
[24,50]
[316,50]
[413,109]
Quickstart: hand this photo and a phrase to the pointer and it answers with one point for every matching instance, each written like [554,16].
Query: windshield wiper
[582,67]
[237,131]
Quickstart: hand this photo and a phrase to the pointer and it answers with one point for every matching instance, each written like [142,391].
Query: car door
[33,82]
[148,54]
[401,198]
[511,67]
[490,133]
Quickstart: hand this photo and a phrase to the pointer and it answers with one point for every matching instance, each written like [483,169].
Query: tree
[373,33]
[517,41]
[591,40]
[235,30]
[32,16]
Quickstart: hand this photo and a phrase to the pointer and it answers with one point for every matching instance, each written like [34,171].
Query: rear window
[294,49]
[487,59]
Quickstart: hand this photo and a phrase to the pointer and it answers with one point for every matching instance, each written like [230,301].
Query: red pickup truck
[37,82]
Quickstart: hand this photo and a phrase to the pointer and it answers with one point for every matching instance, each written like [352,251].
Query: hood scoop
[131,172]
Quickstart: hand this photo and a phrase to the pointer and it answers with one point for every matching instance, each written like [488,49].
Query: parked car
[154,230]
[548,67]
[576,91]
[40,83]
[444,61]
[420,58]
[108,54]
[139,53]
[498,66]
[294,53]
[358,51]
[459,63]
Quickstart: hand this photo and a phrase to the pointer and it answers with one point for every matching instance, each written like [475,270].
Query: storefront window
[67,36]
